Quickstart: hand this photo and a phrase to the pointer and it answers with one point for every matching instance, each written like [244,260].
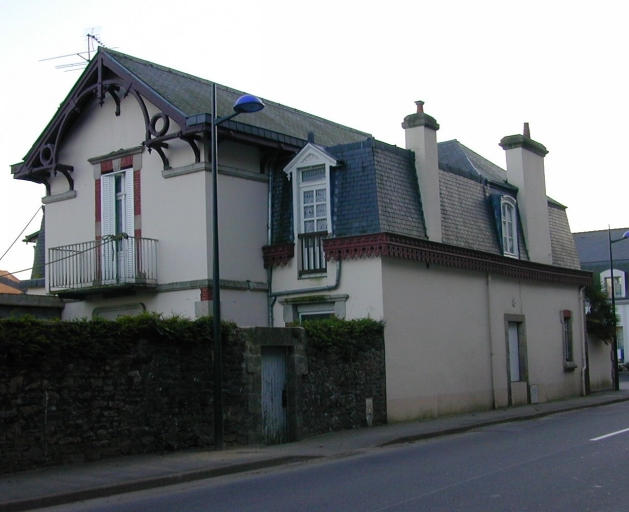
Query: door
[274,400]
[514,352]
[518,384]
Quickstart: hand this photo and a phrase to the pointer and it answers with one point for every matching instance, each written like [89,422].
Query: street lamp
[624,236]
[245,104]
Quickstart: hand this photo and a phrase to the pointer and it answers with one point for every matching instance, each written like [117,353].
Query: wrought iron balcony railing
[114,261]
[311,253]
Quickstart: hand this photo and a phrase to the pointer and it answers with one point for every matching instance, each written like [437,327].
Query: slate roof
[467,218]
[456,158]
[375,189]
[593,246]
[191,95]
[561,241]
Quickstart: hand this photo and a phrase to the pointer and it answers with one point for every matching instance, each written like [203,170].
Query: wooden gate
[274,400]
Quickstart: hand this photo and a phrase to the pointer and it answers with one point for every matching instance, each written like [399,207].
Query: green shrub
[347,338]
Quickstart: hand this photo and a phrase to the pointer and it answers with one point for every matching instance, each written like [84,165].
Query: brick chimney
[525,170]
[421,138]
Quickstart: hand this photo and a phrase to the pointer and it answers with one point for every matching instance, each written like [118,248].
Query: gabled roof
[191,95]
[180,96]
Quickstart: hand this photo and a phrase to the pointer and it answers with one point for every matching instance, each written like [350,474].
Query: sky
[483,68]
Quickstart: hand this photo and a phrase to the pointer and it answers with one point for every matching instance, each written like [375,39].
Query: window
[298,309]
[315,312]
[568,353]
[117,226]
[509,226]
[309,172]
[514,351]
[314,199]
[619,283]
[516,348]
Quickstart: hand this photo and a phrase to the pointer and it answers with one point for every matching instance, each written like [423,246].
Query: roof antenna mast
[93,42]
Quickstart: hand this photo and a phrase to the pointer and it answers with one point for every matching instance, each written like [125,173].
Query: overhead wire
[18,237]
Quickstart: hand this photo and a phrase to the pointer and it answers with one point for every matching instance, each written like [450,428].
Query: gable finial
[527,131]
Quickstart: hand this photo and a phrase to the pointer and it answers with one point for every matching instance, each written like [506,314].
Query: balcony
[115,263]
[311,253]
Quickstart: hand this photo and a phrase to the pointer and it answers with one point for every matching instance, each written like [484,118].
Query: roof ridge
[190,76]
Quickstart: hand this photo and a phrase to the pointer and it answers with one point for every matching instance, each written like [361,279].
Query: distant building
[593,249]
[9,283]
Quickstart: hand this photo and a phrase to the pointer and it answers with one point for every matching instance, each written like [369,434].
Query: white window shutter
[129,243]
[108,226]
[107,220]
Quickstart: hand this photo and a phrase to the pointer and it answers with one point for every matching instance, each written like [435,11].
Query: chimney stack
[421,138]
[525,170]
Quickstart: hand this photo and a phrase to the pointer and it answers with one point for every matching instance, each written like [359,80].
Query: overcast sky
[483,68]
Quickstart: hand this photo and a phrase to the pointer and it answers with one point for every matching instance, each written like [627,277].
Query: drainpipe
[491,343]
[327,288]
[584,352]
[269,271]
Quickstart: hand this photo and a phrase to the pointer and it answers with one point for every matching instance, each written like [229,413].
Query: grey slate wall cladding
[282,211]
[354,197]
[373,189]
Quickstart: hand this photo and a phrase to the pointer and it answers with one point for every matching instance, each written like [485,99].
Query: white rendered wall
[178,303]
[361,281]
[446,341]
[599,355]
[175,210]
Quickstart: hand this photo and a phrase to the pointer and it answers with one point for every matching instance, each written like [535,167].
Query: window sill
[569,366]
[312,275]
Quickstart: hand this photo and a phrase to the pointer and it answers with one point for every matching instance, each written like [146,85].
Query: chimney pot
[527,131]
[420,106]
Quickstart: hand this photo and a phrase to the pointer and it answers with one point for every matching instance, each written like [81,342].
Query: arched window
[508,214]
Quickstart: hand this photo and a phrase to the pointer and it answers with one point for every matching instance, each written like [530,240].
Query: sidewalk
[64,484]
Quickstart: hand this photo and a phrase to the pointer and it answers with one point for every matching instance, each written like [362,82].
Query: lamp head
[248,104]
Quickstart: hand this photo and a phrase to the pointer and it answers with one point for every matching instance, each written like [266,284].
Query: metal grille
[112,261]
[312,255]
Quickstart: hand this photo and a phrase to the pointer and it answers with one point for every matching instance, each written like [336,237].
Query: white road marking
[611,434]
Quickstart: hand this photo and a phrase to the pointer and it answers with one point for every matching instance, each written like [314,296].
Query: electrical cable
[109,239]
[17,238]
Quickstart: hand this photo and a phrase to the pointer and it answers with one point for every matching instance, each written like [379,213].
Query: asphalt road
[576,461]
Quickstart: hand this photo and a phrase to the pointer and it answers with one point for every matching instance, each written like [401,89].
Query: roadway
[569,461]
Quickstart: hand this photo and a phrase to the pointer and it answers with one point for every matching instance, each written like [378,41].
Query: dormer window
[314,199]
[310,175]
[508,214]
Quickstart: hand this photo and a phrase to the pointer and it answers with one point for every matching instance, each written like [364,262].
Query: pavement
[57,485]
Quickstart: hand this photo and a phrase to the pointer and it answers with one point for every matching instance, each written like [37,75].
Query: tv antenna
[93,42]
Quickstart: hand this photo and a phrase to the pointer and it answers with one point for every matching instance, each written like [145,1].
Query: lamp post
[245,104]
[624,236]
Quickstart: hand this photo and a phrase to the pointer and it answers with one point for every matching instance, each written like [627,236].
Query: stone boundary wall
[335,390]
[153,396]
